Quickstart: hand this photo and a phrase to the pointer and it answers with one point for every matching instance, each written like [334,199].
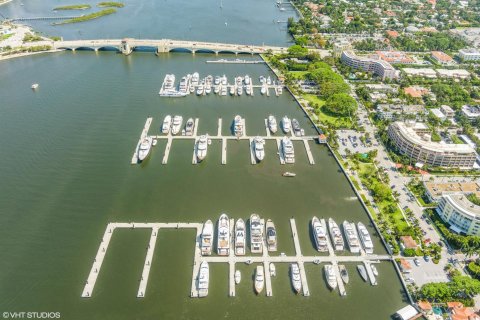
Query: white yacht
[296,127]
[280,89]
[374,270]
[272,124]
[144,148]
[223,90]
[259,147]
[177,124]
[169,82]
[183,85]
[239,84]
[335,235]
[223,80]
[201,88]
[203,279]
[262,79]
[248,90]
[319,234]
[34,86]
[238,126]
[256,234]
[271,235]
[365,238]
[167,123]
[330,276]
[273,270]
[207,237]
[351,235]
[295,276]
[232,90]
[263,89]
[343,273]
[201,150]
[286,124]
[195,81]
[240,237]
[208,84]
[363,272]
[247,80]
[223,237]
[259,279]
[269,80]
[287,150]
[189,127]
[238,276]
[217,80]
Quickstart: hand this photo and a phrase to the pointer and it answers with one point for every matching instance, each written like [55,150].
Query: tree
[341,104]
[297,51]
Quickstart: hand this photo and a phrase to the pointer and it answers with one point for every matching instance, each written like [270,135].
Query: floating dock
[331,252]
[267,129]
[167,150]
[224,151]
[280,153]
[231,259]
[219,130]
[309,153]
[253,159]
[144,133]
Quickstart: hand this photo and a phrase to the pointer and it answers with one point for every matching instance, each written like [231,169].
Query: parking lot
[425,272]
[349,139]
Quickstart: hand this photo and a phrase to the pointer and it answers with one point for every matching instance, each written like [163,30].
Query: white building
[438,113]
[462,215]
[471,112]
[380,68]
[420,72]
[453,73]
[469,54]
[448,111]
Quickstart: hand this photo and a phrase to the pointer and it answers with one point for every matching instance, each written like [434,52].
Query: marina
[265,260]
[242,135]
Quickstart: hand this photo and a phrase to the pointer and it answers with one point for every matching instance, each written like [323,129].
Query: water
[171,19]
[65,173]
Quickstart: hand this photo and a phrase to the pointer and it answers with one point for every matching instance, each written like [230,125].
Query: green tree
[341,104]
[297,51]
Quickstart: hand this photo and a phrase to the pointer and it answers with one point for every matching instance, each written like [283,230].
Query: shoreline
[5,2]
[24,54]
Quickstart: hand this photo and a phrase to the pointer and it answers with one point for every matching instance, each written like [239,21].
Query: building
[416,91]
[392,33]
[441,57]
[406,313]
[434,190]
[408,242]
[469,54]
[420,72]
[447,111]
[414,141]
[471,112]
[425,307]
[453,73]
[459,312]
[462,215]
[395,57]
[387,88]
[439,114]
[405,266]
[340,46]
[380,68]
[395,111]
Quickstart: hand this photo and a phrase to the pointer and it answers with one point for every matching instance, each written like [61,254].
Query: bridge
[43,18]
[127,46]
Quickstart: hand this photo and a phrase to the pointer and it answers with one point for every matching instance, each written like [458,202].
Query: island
[73,7]
[87,17]
[110,4]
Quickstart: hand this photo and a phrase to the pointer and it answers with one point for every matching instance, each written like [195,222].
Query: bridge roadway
[126,46]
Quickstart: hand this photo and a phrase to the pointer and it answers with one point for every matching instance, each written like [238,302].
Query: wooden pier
[341,286]
[144,133]
[224,151]
[148,263]
[167,149]
[371,276]
[280,153]
[298,252]
[309,153]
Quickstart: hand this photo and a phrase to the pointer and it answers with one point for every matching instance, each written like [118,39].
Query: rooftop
[441,56]
[416,91]
[437,189]
[394,57]
[461,201]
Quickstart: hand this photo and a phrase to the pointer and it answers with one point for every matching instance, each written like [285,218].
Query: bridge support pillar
[125,47]
[216,53]
[73,49]
[96,49]
[162,49]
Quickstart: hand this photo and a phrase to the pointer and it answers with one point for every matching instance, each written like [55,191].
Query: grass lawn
[339,122]
[299,74]
[397,215]
[5,36]
[456,139]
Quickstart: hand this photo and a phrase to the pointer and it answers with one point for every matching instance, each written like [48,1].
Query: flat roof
[462,201]
[437,189]
[409,133]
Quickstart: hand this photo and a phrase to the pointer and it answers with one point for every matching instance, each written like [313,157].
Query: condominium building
[447,110]
[441,57]
[462,214]
[471,112]
[469,54]
[414,141]
[380,68]
[340,46]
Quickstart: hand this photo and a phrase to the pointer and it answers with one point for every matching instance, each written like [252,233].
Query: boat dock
[340,284]
[236,61]
[267,129]
[148,263]
[331,252]
[144,133]
[371,276]
[253,159]
[309,154]
[231,259]
[167,150]
[280,153]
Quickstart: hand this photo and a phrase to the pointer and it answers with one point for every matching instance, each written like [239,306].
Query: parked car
[427,258]
[417,262]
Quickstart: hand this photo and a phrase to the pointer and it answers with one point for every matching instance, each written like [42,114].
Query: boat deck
[231,259]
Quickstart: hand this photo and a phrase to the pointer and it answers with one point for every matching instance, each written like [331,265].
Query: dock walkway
[144,133]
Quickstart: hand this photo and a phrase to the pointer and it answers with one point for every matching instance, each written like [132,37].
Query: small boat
[259,148]
[296,127]
[289,174]
[335,235]
[34,86]
[263,90]
[272,124]
[203,279]
[240,237]
[201,88]
[223,236]
[330,276]
[256,234]
[269,80]
[176,124]
[232,90]
[319,234]
[259,279]
[295,276]
[201,149]
[273,270]
[189,127]
[238,126]
[249,261]
[374,270]
[271,235]
[194,81]
[286,124]
[144,148]
[365,238]
[363,272]
[223,80]
[238,276]
[262,79]
[167,123]
[223,90]
[217,80]
[247,80]
[248,90]
[287,150]
[343,273]
[207,237]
